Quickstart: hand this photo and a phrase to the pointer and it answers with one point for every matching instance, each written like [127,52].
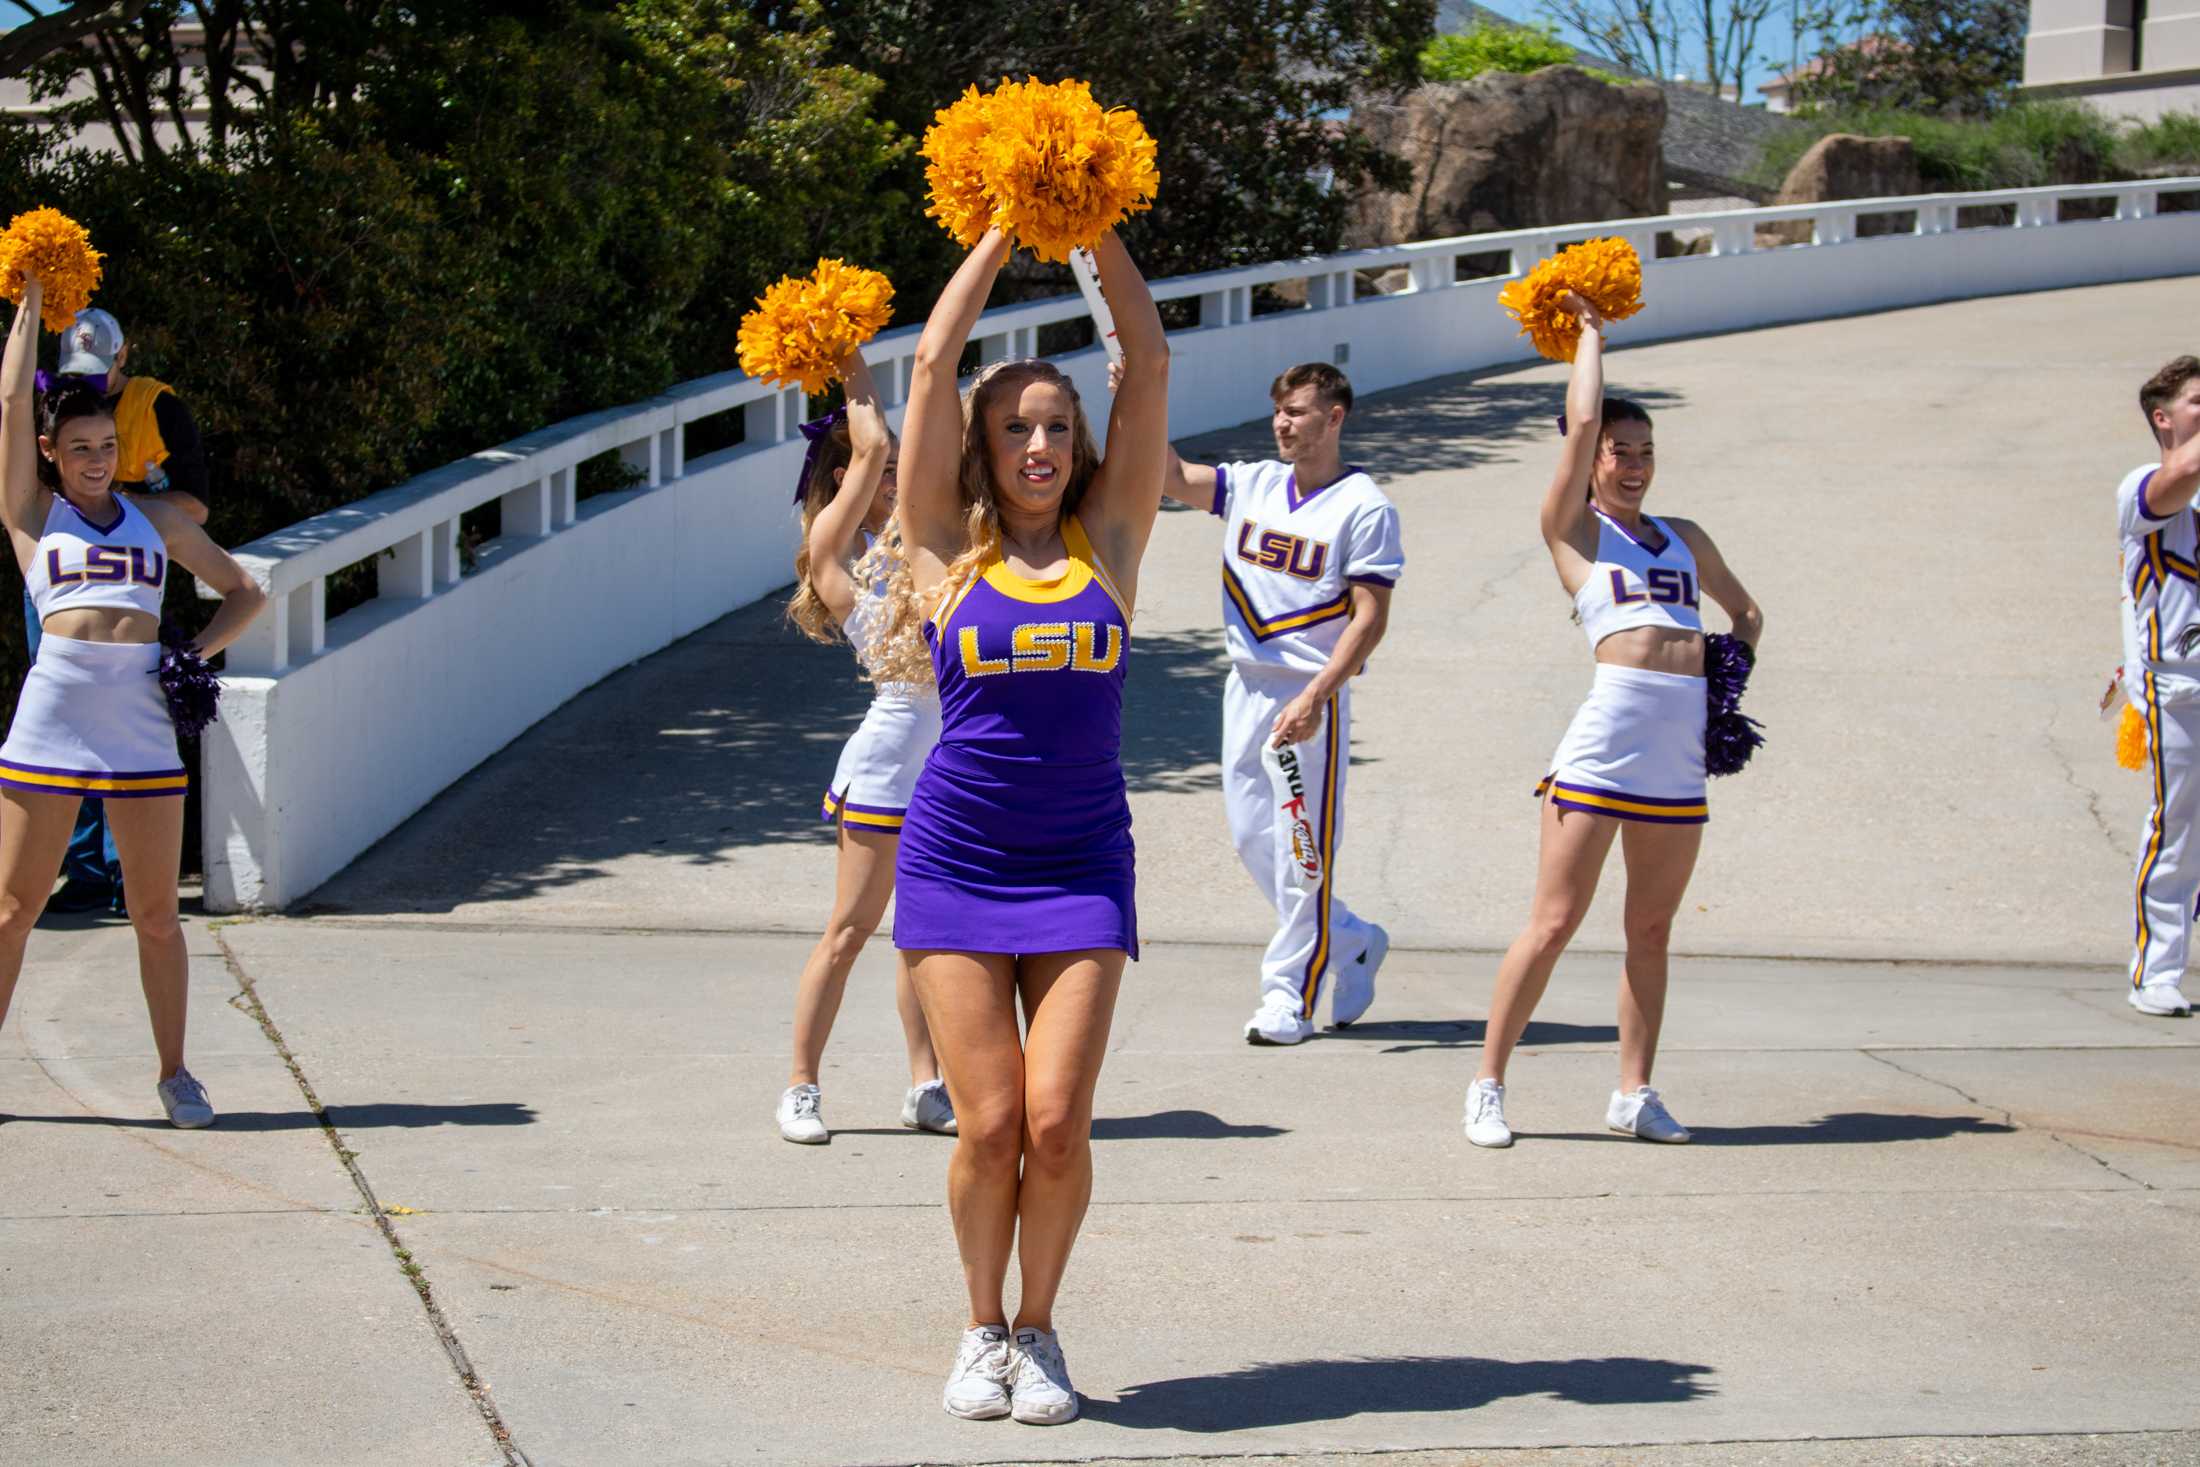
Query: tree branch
[33,41]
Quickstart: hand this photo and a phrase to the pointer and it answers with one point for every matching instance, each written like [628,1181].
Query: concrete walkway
[496,1179]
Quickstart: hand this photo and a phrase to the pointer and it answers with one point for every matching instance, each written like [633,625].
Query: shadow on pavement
[403,1115]
[1295,1391]
[1454,422]
[724,741]
[1850,1128]
[1459,1033]
[1178,1125]
[1855,1128]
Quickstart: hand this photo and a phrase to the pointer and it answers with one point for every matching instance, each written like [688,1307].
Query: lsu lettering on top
[1290,558]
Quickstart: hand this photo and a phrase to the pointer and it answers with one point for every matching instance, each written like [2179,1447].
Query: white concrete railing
[333,732]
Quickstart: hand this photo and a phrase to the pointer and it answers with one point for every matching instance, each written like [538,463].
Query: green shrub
[2026,146]
[1469,53]
[2172,141]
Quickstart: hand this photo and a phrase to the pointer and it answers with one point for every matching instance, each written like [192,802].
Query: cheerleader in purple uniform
[1014,883]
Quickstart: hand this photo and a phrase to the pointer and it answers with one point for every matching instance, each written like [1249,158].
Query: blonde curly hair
[897,653]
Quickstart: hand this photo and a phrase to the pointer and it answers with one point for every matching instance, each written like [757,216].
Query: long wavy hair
[806,609]
[900,625]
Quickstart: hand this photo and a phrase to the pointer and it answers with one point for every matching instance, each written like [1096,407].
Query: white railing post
[564,502]
[443,551]
[672,451]
[640,457]
[2136,203]
[305,614]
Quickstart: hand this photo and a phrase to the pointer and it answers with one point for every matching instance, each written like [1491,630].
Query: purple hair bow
[817,430]
[49,383]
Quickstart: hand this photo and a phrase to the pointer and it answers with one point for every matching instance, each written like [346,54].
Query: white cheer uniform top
[1631,586]
[2160,591]
[1290,558]
[121,565]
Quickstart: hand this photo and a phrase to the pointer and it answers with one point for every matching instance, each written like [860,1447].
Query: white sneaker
[2163,1000]
[184,1098]
[1278,1023]
[1485,1121]
[1355,981]
[977,1388]
[927,1108]
[1643,1115]
[1044,1396]
[798,1117]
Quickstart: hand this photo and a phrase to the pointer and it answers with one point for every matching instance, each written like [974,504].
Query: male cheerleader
[1310,552]
[2161,603]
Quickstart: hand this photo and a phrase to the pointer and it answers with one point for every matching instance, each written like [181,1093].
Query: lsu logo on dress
[1046,646]
[110,565]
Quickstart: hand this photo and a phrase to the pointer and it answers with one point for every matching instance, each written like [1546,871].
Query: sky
[1774,35]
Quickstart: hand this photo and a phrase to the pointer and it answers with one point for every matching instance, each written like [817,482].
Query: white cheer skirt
[92,720]
[880,762]
[1634,750]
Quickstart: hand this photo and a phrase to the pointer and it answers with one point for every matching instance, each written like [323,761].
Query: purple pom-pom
[1730,735]
[193,690]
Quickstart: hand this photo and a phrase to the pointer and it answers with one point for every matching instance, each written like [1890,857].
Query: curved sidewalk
[496,1179]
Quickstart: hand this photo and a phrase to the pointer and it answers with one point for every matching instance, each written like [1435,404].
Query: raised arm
[1566,502]
[932,429]
[1721,584]
[1125,496]
[2176,482]
[833,533]
[1190,484]
[19,488]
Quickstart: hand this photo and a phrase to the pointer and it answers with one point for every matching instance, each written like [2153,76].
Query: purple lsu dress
[1019,834]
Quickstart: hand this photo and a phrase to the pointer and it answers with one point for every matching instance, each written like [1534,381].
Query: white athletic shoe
[1485,1120]
[977,1388]
[1355,981]
[1644,1116]
[2163,1000]
[184,1098]
[1044,1396]
[927,1108]
[798,1117]
[1278,1023]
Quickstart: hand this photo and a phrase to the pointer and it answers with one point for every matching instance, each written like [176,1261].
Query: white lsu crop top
[1631,587]
[120,565]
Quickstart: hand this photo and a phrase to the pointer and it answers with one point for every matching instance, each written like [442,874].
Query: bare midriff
[102,624]
[1655,649]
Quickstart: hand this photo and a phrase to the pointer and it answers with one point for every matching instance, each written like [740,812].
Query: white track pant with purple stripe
[1286,810]
[2168,878]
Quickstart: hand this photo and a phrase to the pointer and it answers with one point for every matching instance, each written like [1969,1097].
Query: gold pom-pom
[1048,164]
[2131,739]
[1606,273]
[803,327]
[54,247]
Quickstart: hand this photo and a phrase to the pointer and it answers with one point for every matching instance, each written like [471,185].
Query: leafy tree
[1924,56]
[1249,100]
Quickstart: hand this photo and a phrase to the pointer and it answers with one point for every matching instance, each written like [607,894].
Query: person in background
[159,454]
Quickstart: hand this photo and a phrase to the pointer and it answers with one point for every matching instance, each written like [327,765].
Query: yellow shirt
[137,431]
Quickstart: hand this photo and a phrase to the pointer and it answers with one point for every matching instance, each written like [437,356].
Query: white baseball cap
[89,346]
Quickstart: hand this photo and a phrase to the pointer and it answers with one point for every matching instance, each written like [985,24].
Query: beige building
[2129,58]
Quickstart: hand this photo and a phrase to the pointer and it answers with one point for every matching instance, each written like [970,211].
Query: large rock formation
[1843,165]
[1505,151]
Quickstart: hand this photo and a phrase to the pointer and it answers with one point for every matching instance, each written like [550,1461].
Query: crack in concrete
[476,1388]
[2070,777]
[2102,1162]
[2006,1118]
